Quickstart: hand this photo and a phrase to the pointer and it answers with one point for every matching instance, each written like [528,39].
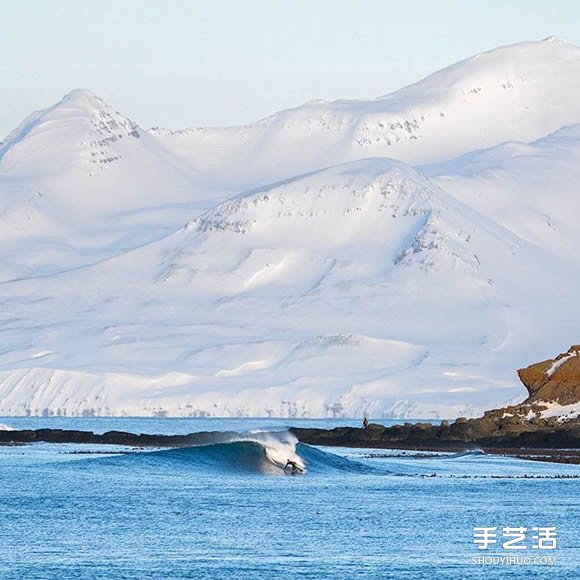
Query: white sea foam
[280,446]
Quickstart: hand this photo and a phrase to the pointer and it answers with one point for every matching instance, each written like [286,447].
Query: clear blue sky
[181,63]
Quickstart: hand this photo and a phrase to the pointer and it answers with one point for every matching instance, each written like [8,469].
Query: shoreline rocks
[471,434]
[552,385]
[114,438]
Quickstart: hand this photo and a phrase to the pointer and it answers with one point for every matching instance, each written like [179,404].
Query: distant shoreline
[418,438]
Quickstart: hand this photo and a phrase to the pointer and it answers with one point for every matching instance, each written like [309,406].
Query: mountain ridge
[506,90]
[291,268]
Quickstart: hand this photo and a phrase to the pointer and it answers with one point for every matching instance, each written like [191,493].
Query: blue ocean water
[229,511]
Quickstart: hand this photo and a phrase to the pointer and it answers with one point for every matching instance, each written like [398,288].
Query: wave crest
[264,452]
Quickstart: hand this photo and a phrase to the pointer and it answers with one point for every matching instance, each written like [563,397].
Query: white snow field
[399,257]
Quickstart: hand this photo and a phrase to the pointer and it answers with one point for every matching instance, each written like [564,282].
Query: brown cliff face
[554,379]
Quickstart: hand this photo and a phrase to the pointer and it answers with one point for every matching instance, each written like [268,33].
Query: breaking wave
[262,452]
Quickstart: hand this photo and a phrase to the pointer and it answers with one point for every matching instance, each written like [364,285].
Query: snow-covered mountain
[519,92]
[160,272]
[81,182]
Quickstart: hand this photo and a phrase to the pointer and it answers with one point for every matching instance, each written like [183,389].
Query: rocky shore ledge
[491,432]
[545,426]
[540,427]
[546,420]
[114,438]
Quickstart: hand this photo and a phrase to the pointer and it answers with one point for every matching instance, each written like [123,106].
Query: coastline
[553,442]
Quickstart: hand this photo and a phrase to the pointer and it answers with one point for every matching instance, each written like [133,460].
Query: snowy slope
[333,279]
[531,188]
[519,92]
[349,290]
[81,182]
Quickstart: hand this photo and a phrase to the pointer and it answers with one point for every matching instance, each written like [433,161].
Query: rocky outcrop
[554,380]
[551,384]
[115,438]
[490,431]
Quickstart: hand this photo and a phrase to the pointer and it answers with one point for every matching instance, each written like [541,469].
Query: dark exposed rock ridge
[491,431]
[115,438]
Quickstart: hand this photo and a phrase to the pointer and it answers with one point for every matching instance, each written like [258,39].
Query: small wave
[467,453]
[4,427]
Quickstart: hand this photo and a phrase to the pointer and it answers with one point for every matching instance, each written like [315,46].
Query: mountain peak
[82,98]
[79,117]
[88,104]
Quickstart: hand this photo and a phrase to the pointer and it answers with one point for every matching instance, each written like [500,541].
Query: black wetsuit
[293,465]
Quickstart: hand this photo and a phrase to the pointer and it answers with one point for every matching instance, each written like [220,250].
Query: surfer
[293,466]
[365,423]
